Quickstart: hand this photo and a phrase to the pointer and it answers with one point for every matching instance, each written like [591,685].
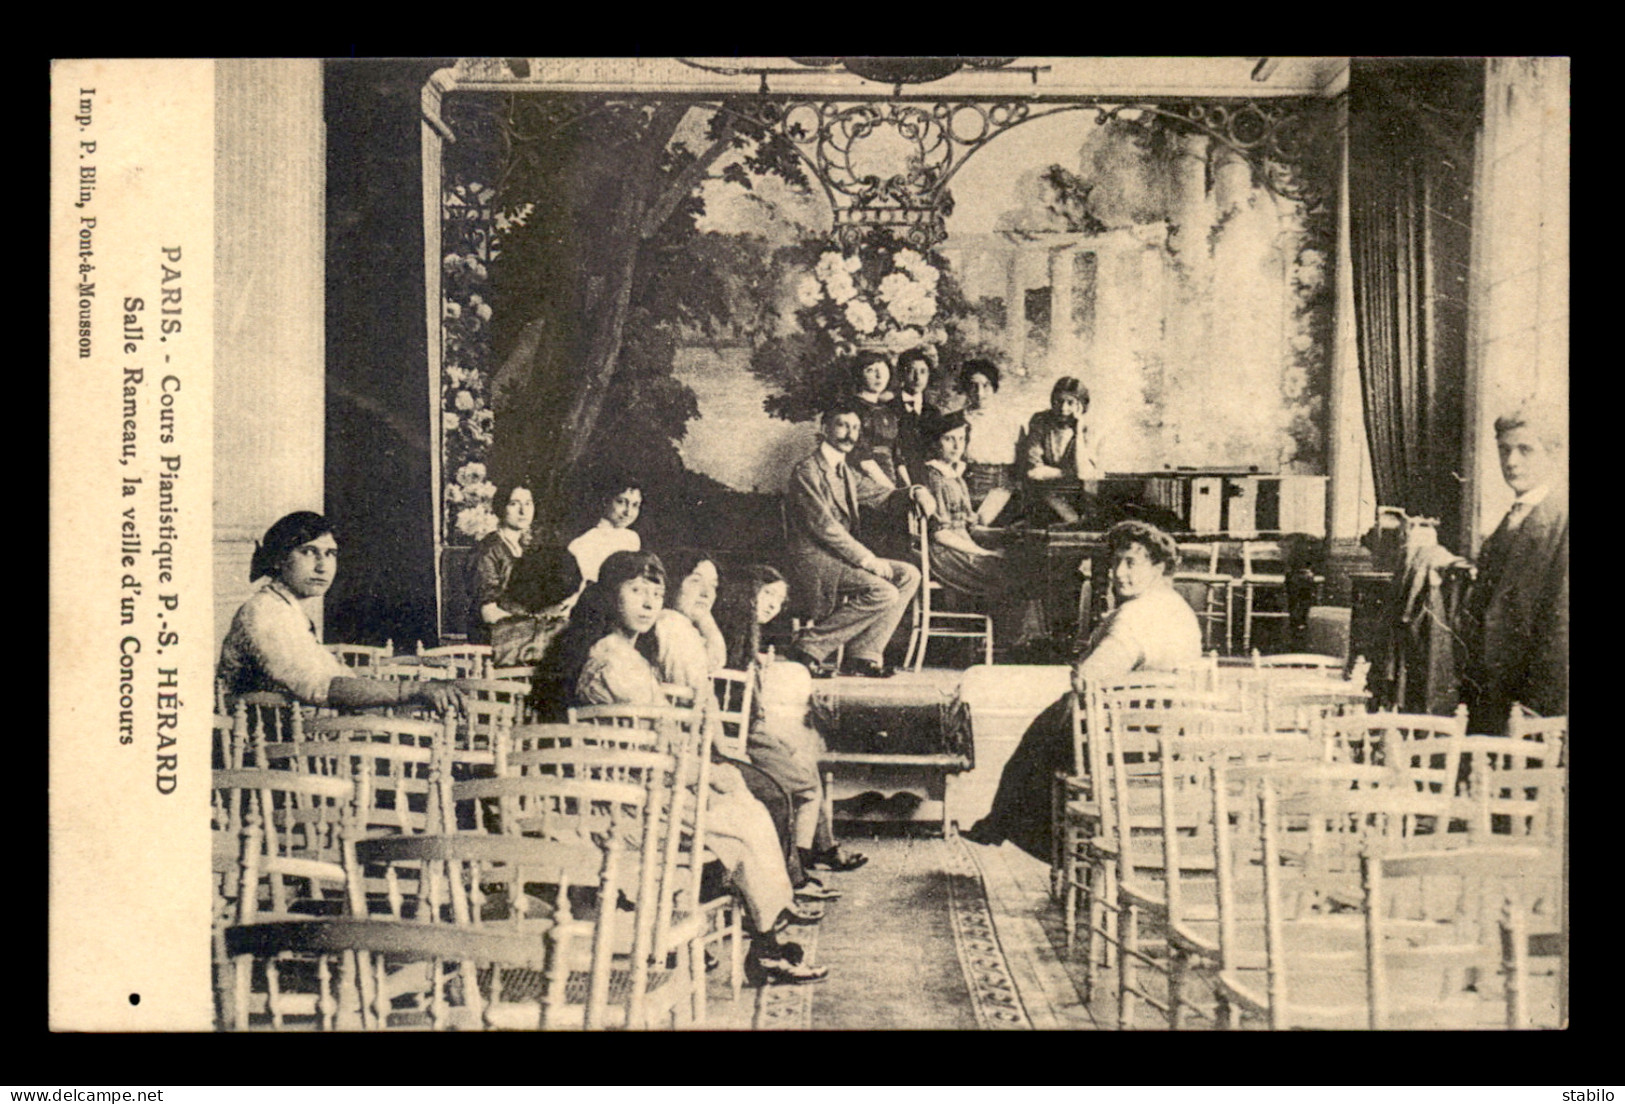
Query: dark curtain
[1412,129]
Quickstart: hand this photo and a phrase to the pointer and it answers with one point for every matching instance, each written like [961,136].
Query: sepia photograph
[810,543]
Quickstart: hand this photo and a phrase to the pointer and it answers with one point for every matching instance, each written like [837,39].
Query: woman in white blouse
[272,643]
[619,507]
[1153,628]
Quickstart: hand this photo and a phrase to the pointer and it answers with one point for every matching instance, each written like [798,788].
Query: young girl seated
[957,561]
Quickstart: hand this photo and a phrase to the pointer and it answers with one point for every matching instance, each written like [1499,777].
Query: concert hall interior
[1039,499]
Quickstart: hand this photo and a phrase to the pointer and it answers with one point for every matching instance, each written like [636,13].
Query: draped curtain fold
[1412,128]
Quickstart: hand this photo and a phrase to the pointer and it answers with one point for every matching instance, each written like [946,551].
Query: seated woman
[874,458]
[1057,452]
[513,605]
[957,561]
[781,740]
[990,448]
[272,643]
[1152,629]
[687,649]
[620,500]
[600,650]
[914,375]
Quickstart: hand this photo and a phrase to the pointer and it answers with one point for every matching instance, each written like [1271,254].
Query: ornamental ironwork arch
[1289,144]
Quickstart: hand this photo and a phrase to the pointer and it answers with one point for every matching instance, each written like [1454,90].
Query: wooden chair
[734,690]
[1075,813]
[400,767]
[293,835]
[1152,802]
[1199,567]
[669,728]
[586,792]
[1316,957]
[468,660]
[1167,904]
[494,708]
[1121,804]
[937,624]
[578,832]
[363,657]
[1263,571]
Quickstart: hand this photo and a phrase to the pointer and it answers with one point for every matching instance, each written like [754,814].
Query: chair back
[1263,561]
[258,719]
[1137,724]
[363,657]
[400,767]
[734,692]
[293,834]
[623,800]
[495,707]
[455,979]
[470,660]
[1330,666]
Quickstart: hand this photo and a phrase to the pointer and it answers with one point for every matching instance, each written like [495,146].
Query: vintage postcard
[888,418]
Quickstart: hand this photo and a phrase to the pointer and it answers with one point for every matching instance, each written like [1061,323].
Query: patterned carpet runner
[911,946]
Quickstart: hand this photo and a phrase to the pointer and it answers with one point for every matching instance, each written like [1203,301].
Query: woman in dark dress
[875,456]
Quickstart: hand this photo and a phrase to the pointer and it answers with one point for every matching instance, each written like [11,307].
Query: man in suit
[1518,610]
[856,598]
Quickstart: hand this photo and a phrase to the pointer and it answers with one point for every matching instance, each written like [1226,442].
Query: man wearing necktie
[855,597]
[1518,610]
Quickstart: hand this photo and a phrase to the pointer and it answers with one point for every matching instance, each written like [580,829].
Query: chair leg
[1176,987]
[1128,967]
[736,950]
[696,979]
[1069,910]
[1089,934]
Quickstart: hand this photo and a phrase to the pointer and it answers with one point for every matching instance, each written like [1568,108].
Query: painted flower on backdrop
[465,400]
[889,298]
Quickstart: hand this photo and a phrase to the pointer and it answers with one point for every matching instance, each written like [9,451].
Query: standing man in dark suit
[1518,610]
[856,598]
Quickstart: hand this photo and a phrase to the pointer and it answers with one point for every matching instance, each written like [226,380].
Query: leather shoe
[817,667]
[867,668]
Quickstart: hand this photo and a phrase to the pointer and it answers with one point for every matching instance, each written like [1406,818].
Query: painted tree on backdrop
[602,273]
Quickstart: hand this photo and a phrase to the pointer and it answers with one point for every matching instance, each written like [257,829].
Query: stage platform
[927,746]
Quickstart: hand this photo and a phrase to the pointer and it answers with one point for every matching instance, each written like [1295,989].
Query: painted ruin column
[1015,308]
[1063,335]
[1188,349]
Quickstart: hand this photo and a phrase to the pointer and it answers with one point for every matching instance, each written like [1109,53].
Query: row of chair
[1262,572]
[1203,836]
[389,871]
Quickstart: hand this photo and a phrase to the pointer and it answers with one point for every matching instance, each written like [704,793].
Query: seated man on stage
[1057,452]
[1517,627]
[855,597]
